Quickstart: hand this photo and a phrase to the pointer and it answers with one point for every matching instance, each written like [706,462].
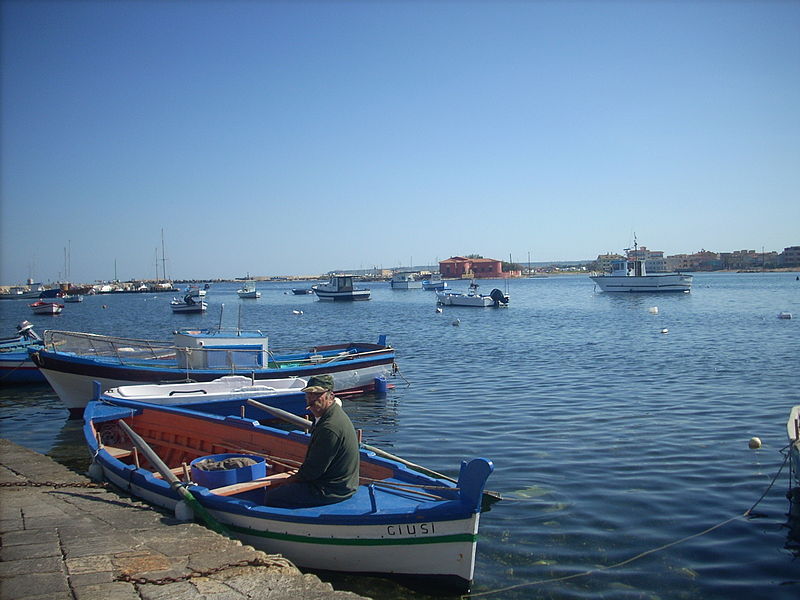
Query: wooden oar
[174,482]
[301,422]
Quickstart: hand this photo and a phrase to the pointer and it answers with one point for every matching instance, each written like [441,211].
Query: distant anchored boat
[340,287]
[405,281]
[189,304]
[630,275]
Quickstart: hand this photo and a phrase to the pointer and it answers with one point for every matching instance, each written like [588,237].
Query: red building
[459,267]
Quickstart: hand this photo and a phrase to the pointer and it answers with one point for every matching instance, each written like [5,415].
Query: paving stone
[50,564]
[18,586]
[22,551]
[118,590]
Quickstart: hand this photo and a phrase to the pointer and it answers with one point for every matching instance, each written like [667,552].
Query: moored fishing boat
[400,522]
[340,287]
[227,395]
[629,275]
[72,360]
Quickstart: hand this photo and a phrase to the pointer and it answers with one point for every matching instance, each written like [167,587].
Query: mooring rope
[627,561]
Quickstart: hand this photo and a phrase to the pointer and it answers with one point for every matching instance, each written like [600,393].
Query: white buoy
[784,315]
[297,312]
[754,443]
[457,322]
[438,310]
[653,310]
[665,330]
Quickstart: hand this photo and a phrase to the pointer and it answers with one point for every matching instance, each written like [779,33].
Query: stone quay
[65,537]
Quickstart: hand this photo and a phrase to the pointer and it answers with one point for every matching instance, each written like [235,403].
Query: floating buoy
[104,306]
[457,322]
[754,443]
[784,315]
[438,310]
[653,310]
[665,330]
[297,312]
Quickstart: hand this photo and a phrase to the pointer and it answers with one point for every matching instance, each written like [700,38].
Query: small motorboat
[403,521]
[302,291]
[40,307]
[224,396]
[472,297]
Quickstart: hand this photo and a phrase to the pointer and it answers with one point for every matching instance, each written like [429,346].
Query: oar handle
[282,414]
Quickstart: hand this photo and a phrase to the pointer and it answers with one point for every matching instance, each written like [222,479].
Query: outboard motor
[25,329]
[498,297]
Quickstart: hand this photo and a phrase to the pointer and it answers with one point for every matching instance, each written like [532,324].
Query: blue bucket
[222,477]
[381,385]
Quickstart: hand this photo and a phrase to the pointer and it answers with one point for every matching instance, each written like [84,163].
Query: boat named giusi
[72,360]
[401,522]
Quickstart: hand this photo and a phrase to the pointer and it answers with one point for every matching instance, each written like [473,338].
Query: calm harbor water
[609,438]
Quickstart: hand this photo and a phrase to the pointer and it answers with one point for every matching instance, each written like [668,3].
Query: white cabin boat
[405,281]
[339,288]
[471,298]
[249,290]
[630,275]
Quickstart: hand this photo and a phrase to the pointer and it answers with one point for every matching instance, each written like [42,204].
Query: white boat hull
[342,296]
[249,294]
[181,307]
[666,282]
[425,549]
[76,390]
[449,299]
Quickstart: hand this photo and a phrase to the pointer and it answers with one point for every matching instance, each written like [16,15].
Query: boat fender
[183,512]
[95,471]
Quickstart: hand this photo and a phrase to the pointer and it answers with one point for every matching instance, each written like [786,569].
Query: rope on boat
[627,561]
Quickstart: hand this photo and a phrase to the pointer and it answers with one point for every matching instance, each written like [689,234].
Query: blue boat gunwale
[348,512]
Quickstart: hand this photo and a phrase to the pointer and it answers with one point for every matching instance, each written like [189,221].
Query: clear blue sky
[299,137]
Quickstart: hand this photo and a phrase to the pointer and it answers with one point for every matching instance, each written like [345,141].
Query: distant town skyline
[302,137]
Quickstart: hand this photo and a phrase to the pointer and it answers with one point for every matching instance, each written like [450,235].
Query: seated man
[329,472]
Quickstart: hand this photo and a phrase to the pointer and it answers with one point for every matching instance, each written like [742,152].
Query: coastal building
[790,257]
[604,261]
[460,267]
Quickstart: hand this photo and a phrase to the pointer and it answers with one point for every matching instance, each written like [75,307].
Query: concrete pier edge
[64,537]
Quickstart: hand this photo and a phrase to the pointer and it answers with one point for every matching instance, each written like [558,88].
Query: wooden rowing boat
[400,523]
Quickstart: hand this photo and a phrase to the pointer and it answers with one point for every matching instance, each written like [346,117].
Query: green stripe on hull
[288,537]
